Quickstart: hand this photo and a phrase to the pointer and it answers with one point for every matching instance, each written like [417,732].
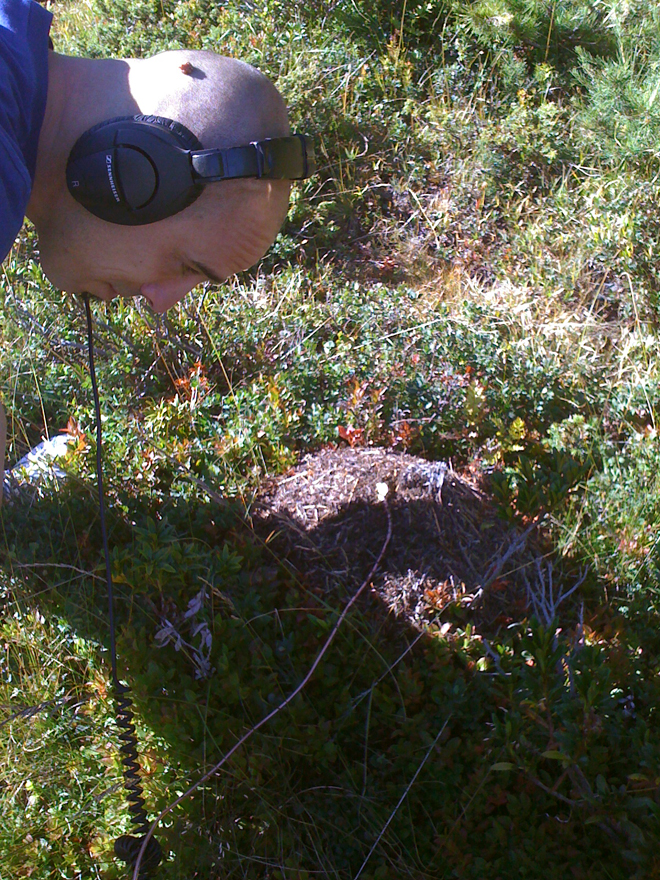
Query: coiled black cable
[127,846]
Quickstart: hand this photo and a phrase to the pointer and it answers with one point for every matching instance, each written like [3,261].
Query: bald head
[225,103]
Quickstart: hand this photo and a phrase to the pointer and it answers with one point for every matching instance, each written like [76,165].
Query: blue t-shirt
[24,27]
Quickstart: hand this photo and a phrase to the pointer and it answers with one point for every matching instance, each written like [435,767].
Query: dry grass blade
[402,798]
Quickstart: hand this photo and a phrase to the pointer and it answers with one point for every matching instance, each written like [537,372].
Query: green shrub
[471,277]
[621,92]
[544,32]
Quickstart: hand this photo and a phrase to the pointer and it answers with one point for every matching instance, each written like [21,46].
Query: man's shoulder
[19,18]
[24,27]
[24,34]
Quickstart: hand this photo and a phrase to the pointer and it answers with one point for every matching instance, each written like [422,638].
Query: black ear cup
[134,170]
[186,138]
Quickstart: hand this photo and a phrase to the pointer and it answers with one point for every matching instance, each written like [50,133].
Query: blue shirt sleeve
[15,186]
[24,26]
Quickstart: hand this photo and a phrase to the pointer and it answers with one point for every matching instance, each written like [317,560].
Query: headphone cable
[127,846]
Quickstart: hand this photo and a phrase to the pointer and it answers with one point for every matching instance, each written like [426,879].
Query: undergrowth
[472,277]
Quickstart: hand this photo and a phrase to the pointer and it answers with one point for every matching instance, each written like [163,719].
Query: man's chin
[102,290]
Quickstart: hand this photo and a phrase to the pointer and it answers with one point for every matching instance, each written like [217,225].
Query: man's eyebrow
[204,270]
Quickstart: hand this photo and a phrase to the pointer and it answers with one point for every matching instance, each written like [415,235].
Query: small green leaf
[554,755]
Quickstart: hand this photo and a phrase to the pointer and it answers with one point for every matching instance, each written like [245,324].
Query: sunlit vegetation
[472,277]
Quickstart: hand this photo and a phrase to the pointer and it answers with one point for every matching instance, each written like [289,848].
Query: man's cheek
[55,268]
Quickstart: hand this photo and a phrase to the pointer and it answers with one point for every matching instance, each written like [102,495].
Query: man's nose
[164,294]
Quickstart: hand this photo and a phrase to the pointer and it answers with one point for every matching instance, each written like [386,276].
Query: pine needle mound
[448,547]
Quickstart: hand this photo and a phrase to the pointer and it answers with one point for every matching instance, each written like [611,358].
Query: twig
[26,319]
[555,794]
[83,572]
[374,684]
[220,500]
[128,342]
[212,772]
[499,562]
[544,597]
[493,656]
[31,711]
[165,332]
[402,798]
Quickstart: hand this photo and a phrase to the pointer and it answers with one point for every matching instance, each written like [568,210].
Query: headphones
[134,170]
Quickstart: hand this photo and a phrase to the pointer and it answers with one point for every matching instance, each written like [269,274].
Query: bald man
[56,98]
[47,101]
[225,103]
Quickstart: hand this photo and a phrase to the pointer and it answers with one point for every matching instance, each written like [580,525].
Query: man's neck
[81,93]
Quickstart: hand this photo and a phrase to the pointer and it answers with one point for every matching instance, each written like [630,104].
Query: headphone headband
[134,170]
[284,158]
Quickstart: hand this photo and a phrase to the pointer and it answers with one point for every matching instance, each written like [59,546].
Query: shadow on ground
[394,715]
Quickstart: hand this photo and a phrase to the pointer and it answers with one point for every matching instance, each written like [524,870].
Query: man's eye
[188,271]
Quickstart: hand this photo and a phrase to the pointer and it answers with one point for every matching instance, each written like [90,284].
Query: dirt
[449,552]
